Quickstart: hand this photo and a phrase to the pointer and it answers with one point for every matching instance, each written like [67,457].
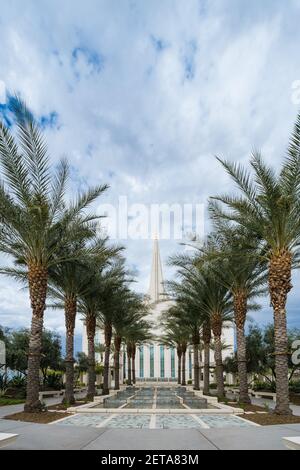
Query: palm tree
[89,304]
[206,334]
[114,290]
[35,223]
[202,297]
[238,267]
[189,312]
[218,306]
[136,334]
[269,209]
[129,362]
[68,281]
[131,310]
[175,336]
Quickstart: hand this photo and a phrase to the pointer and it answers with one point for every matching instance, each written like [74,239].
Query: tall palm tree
[239,268]
[189,311]
[203,298]
[115,288]
[206,334]
[68,281]
[218,306]
[268,208]
[131,310]
[34,220]
[175,336]
[136,334]
[89,304]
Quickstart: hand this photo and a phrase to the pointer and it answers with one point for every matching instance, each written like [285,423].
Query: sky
[143,95]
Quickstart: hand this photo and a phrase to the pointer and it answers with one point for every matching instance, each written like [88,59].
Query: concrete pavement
[43,436]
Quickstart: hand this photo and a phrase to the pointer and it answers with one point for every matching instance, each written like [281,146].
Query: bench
[292,443]
[51,393]
[79,390]
[7,439]
[263,395]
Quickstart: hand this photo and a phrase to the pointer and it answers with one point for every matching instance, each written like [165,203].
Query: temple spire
[156,288]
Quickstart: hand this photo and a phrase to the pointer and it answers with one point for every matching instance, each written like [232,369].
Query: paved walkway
[11,409]
[271,404]
[43,436]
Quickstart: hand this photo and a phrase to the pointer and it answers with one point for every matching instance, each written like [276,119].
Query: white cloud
[137,122]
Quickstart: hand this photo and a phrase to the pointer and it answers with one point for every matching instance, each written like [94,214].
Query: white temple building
[155,362]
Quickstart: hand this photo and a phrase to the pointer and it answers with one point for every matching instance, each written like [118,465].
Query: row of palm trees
[59,254]
[57,251]
[251,251]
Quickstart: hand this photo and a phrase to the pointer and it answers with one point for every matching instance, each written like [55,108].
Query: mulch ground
[63,406]
[41,418]
[265,419]
[247,407]
[271,419]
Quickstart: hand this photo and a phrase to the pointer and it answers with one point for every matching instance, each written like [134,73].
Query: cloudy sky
[142,94]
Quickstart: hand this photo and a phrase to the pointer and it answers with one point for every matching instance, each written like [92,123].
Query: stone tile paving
[223,421]
[129,421]
[176,422]
[163,421]
[83,420]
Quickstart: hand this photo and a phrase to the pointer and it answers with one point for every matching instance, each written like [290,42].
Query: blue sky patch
[189,65]
[49,121]
[91,58]
[158,43]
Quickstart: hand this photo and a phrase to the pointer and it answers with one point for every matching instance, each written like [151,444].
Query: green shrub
[294,386]
[10,401]
[213,386]
[189,382]
[264,386]
[53,381]
[16,387]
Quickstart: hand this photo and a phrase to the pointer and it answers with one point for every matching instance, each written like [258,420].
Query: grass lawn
[10,401]
[44,417]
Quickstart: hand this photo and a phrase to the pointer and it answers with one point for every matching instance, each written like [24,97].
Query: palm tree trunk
[91,331]
[124,364]
[216,323]
[38,280]
[70,318]
[107,339]
[117,343]
[196,367]
[133,363]
[129,365]
[242,365]
[183,379]
[200,366]
[240,314]
[219,366]
[179,356]
[206,340]
[279,287]
[196,341]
